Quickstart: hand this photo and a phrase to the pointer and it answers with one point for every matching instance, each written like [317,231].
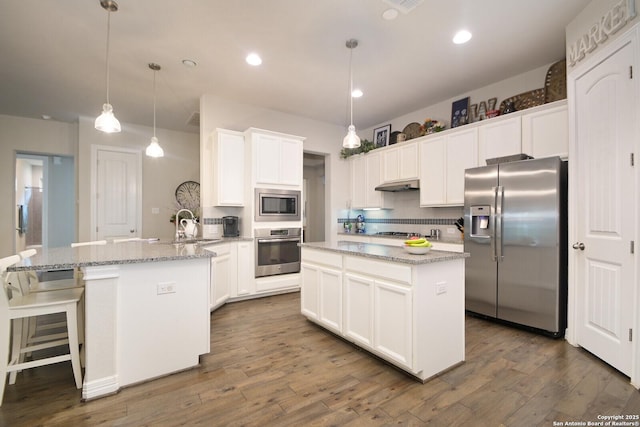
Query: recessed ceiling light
[461,37]
[190,63]
[46,117]
[390,14]
[357,93]
[254,59]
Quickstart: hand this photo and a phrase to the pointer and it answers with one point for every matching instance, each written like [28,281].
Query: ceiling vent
[404,6]
[194,120]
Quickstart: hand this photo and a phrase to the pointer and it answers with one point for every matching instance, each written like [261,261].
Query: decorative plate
[412,130]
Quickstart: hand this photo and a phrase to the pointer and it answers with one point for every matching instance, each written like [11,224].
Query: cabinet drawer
[322,257]
[387,270]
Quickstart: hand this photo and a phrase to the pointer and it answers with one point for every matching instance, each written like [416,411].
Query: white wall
[160,176]
[29,136]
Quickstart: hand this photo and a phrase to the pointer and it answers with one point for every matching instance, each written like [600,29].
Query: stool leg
[15,347]
[74,346]
[5,327]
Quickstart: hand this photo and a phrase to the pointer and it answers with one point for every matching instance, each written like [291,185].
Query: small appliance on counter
[230,226]
[360,224]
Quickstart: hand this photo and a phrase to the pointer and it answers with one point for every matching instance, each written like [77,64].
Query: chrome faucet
[178,231]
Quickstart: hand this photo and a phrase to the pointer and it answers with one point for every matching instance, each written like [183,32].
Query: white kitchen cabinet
[400,162]
[393,316]
[228,168]
[500,137]
[223,274]
[443,160]
[358,309]
[245,284]
[545,131]
[276,158]
[365,177]
[322,299]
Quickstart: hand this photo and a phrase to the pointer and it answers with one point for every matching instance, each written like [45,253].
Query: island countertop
[65,258]
[384,252]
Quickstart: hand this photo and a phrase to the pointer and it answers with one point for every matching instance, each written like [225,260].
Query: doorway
[313,207]
[45,201]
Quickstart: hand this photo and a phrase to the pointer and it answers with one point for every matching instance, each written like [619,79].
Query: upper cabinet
[443,160]
[400,162]
[499,137]
[365,177]
[545,132]
[277,158]
[222,169]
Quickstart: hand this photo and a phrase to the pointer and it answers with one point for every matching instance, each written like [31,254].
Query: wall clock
[188,195]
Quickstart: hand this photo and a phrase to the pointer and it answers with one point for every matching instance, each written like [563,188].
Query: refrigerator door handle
[498,230]
[494,256]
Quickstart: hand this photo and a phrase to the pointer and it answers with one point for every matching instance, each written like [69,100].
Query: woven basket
[525,100]
[555,83]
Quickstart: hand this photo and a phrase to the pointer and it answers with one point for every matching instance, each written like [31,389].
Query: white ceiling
[52,55]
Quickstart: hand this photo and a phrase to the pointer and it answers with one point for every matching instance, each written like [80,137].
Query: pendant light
[154,149]
[351,140]
[107,122]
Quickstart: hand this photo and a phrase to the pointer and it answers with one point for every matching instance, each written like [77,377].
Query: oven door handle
[277,240]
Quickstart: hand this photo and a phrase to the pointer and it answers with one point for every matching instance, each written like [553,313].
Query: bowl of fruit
[417,246]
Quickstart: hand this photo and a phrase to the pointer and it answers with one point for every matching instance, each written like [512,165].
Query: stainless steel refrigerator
[515,217]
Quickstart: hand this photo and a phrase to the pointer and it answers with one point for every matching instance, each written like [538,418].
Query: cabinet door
[246,282]
[393,322]
[330,295]
[408,156]
[309,290]
[290,165]
[373,198]
[503,138]
[461,154]
[221,272]
[229,169]
[358,312]
[546,133]
[391,165]
[432,171]
[358,181]
[266,159]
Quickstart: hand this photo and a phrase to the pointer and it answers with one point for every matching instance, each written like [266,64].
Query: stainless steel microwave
[277,205]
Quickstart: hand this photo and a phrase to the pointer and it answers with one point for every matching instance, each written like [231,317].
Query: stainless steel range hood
[410,185]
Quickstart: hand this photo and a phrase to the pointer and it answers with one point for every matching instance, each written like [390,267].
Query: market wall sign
[610,23]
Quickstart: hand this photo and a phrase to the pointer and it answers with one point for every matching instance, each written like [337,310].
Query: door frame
[94,185]
[633,34]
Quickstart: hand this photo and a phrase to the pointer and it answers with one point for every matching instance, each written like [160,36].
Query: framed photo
[381,136]
[460,112]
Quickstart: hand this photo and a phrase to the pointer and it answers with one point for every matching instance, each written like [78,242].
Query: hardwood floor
[268,366]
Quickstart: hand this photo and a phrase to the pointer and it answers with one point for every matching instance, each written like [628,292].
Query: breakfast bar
[146,308]
[406,309]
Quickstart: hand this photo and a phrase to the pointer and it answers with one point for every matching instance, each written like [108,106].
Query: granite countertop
[384,252]
[65,258]
[443,239]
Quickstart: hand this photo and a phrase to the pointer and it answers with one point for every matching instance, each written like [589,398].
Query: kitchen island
[146,308]
[406,309]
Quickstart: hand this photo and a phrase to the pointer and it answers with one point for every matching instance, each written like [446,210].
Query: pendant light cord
[107,61]
[154,103]
[351,86]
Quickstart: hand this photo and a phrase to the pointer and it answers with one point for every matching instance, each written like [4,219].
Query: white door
[117,194]
[606,116]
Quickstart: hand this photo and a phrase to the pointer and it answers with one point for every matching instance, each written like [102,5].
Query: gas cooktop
[398,233]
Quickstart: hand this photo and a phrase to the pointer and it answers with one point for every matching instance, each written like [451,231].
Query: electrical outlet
[155,211]
[166,288]
[441,288]
[451,230]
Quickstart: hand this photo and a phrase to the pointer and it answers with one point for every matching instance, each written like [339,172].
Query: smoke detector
[404,6]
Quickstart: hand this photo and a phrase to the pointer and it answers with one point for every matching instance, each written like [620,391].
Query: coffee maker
[230,226]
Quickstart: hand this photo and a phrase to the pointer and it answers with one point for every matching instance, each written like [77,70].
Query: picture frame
[381,136]
[460,112]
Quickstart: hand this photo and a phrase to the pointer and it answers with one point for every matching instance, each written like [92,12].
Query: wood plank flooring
[268,366]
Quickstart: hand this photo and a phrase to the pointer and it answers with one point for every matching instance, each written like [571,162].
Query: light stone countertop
[66,258]
[384,252]
[443,239]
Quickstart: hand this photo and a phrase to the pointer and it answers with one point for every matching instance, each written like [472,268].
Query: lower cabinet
[321,300]
[223,274]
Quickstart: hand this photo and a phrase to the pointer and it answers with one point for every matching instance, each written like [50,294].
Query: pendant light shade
[154,149]
[107,122]
[351,140]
